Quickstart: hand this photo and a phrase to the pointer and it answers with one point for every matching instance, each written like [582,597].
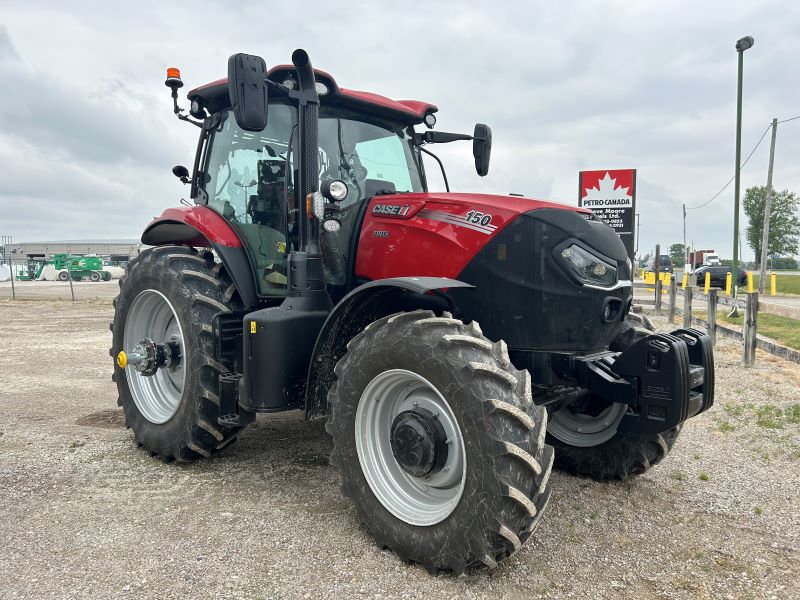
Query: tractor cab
[365,141]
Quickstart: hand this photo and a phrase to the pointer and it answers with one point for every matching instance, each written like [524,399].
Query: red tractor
[316,271]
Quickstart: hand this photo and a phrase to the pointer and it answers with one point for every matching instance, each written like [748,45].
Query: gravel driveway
[85,514]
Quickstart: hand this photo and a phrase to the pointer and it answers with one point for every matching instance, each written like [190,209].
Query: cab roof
[214,97]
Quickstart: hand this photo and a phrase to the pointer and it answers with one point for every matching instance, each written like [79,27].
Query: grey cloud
[7,51]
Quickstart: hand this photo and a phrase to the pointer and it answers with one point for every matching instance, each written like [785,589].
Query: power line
[758,143]
[792,119]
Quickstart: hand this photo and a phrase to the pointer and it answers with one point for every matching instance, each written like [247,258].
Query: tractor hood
[513,204]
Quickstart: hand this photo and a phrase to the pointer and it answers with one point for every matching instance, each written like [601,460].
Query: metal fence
[22,279]
[708,300]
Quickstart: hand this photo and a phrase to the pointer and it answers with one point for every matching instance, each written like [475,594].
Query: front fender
[201,227]
[355,311]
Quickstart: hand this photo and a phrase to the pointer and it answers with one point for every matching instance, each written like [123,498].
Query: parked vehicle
[347,289]
[703,258]
[664,264]
[718,276]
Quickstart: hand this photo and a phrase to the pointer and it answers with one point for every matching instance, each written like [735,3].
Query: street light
[743,44]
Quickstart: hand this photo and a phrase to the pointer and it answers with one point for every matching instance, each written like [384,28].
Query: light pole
[743,44]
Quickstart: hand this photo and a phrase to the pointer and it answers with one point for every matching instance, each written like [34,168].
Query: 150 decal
[478,218]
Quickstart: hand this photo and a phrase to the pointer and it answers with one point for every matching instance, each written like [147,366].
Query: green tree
[677,252]
[784,262]
[784,225]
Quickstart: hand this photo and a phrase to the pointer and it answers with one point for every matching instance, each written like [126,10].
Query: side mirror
[247,88]
[181,173]
[482,148]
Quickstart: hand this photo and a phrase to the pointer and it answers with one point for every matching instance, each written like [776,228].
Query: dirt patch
[104,419]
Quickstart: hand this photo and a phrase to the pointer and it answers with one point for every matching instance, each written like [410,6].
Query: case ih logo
[391,210]
[611,195]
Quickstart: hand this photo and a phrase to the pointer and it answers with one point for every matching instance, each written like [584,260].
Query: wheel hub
[147,356]
[419,442]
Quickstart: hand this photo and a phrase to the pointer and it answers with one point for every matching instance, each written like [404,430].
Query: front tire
[585,437]
[171,293]
[417,362]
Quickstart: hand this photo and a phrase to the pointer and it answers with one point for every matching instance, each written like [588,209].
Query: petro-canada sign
[611,195]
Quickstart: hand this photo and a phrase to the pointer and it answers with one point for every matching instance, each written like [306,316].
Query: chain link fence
[30,279]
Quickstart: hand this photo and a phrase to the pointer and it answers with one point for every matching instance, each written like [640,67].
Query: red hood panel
[515,204]
[434,234]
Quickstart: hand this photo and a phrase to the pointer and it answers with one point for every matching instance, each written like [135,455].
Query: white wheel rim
[582,430]
[151,316]
[420,501]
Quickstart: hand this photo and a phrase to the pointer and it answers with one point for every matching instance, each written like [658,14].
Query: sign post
[611,195]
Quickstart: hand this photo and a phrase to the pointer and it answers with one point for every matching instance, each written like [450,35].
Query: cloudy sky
[87,138]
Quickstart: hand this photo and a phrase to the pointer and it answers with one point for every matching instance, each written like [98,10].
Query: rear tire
[63,276]
[95,276]
[507,464]
[621,456]
[195,289]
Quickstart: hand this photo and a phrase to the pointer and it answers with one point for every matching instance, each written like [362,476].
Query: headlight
[588,267]
[318,205]
[334,189]
[331,225]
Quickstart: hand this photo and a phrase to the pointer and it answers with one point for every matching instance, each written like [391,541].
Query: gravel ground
[85,514]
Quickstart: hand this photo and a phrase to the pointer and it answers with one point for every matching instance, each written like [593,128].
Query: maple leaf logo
[606,189]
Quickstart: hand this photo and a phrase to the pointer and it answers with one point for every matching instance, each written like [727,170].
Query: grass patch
[783,330]
[678,475]
[726,427]
[769,417]
[787,284]
[704,476]
[793,413]
[758,510]
[735,410]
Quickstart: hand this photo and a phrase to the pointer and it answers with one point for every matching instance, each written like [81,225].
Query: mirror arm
[441,166]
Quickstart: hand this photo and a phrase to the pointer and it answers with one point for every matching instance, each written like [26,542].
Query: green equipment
[76,265]
[79,267]
[32,271]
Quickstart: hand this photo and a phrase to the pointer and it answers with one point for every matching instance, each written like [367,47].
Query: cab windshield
[248,179]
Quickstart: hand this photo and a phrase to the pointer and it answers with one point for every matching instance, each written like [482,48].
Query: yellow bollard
[728,283]
[708,283]
[749,282]
[773,285]
[685,280]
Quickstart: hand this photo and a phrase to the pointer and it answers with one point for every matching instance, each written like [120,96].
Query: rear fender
[201,227]
[358,309]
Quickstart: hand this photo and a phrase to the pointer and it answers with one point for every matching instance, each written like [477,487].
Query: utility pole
[636,252]
[685,249]
[767,209]
[742,44]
